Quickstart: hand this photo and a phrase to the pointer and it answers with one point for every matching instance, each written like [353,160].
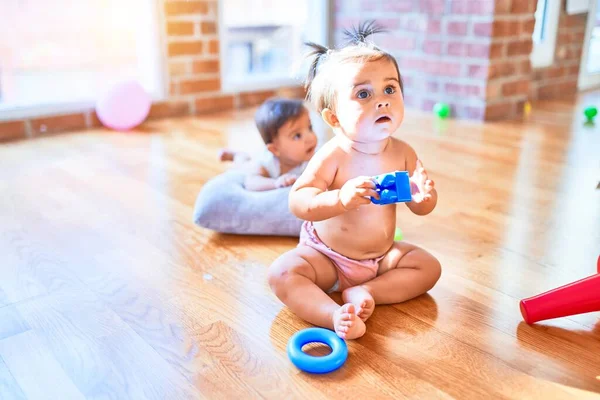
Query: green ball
[398,235]
[590,113]
[442,110]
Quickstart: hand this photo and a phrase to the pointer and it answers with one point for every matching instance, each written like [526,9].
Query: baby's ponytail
[318,52]
[358,35]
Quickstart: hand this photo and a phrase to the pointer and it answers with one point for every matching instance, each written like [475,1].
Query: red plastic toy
[579,297]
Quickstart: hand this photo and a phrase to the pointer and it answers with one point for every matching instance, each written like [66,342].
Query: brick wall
[442,47]
[509,71]
[472,54]
[191,47]
[560,79]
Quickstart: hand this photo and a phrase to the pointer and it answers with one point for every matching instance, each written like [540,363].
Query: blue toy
[317,365]
[392,187]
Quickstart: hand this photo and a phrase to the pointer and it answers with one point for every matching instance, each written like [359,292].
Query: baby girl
[347,242]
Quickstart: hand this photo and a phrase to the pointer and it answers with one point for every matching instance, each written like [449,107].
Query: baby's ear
[272,147]
[330,118]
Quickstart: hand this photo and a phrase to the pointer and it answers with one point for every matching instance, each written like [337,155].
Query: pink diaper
[351,272]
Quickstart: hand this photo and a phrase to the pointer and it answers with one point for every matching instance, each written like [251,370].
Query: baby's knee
[286,267]
[434,271]
[275,273]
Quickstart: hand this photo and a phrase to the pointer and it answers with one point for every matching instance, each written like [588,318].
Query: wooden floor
[107,289]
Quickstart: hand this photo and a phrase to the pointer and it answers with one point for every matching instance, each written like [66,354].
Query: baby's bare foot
[362,299]
[346,324]
[226,155]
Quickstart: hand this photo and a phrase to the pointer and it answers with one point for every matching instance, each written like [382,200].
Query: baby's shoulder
[402,153]
[330,151]
[402,148]
[326,160]
[400,145]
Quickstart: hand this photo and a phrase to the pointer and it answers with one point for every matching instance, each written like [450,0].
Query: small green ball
[442,110]
[398,235]
[590,113]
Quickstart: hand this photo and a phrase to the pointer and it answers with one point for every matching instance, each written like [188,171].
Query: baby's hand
[357,191]
[285,180]
[421,185]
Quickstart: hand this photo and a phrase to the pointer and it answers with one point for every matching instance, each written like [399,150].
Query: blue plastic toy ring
[317,365]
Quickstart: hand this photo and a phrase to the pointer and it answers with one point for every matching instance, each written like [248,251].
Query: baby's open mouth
[382,120]
[310,150]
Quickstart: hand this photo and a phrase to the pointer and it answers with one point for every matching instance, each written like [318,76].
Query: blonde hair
[319,83]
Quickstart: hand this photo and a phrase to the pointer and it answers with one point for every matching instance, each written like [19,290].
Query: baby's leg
[299,279]
[405,272]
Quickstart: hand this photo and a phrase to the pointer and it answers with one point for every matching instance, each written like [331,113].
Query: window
[540,21]
[544,33]
[61,54]
[593,57]
[589,71]
[262,41]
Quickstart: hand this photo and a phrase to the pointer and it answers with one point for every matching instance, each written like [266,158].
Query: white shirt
[271,163]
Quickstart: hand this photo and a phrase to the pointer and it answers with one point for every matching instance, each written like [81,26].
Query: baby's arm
[418,173]
[258,180]
[310,198]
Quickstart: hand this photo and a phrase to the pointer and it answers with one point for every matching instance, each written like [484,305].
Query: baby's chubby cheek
[352,119]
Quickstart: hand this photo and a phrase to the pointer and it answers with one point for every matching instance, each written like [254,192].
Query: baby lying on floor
[286,129]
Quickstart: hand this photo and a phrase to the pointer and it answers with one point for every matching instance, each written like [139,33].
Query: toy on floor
[590,113]
[392,187]
[317,365]
[579,297]
[442,110]
[398,236]
[124,106]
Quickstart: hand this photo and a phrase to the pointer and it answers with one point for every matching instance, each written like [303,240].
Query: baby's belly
[367,232]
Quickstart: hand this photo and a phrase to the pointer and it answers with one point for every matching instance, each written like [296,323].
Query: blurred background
[485,58]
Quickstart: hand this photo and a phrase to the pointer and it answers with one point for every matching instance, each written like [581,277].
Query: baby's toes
[348,311]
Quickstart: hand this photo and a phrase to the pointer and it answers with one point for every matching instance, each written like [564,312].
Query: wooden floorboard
[108,289]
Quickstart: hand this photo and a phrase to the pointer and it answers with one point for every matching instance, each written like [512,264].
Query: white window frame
[588,80]
[578,6]
[159,64]
[542,54]
[321,34]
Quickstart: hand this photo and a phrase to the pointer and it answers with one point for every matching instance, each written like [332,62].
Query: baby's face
[296,142]
[369,103]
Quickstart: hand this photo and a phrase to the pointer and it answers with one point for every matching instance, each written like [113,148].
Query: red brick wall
[560,79]
[509,71]
[442,47]
[472,54]
[192,49]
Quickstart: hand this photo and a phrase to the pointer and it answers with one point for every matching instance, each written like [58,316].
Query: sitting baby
[286,129]
[347,242]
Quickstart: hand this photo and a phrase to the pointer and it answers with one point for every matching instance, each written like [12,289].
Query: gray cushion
[224,205]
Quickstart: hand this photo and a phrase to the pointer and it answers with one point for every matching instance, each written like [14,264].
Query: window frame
[586,79]
[542,54]
[321,35]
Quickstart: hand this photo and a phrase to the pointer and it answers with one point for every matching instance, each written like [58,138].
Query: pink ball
[124,107]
